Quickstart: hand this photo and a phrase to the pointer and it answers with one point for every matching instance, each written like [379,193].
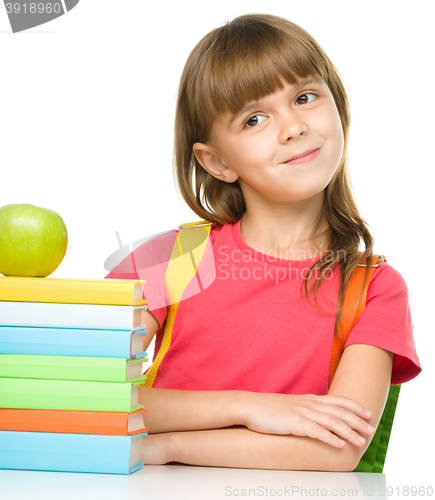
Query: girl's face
[255,146]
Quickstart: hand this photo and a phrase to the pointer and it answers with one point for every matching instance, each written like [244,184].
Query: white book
[53,315]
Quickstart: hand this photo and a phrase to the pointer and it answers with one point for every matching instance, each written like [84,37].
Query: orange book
[73,422]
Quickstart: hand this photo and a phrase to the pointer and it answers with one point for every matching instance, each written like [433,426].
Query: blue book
[127,344]
[51,451]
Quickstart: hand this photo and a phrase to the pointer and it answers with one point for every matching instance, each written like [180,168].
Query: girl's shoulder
[386,277]
[215,232]
[386,322]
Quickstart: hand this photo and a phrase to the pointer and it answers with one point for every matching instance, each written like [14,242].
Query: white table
[172,482]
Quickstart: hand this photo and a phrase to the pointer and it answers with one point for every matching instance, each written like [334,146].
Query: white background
[86,126]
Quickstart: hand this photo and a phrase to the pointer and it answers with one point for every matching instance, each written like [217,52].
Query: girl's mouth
[305,158]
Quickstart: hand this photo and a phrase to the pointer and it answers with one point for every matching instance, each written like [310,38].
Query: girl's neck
[286,234]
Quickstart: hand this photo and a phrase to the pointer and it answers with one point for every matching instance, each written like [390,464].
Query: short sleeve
[386,323]
[148,261]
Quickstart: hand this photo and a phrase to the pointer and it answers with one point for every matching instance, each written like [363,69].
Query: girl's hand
[155,449]
[326,418]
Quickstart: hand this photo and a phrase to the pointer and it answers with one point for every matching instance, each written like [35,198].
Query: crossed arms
[277,431]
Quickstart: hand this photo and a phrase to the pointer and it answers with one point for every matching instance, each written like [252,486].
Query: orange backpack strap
[352,309]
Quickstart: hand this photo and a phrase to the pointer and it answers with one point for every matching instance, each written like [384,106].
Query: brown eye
[304,98]
[254,120]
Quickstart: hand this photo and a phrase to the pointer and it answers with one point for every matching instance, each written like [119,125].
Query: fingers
[340,420]
[328,429]
[346,403]
[348,427]
[316,431]
[331,419]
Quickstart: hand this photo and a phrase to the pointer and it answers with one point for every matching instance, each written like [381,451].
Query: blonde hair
[243,61]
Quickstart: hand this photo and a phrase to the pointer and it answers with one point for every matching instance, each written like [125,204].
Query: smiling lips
[303,157]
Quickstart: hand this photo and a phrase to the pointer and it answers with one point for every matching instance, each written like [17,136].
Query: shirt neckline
[263,257]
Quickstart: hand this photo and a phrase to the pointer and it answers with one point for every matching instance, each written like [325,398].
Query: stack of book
[71,354]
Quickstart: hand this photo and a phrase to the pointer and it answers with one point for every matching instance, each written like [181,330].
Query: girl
[261,137]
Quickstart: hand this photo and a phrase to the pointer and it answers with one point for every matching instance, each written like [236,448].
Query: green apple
[33,240]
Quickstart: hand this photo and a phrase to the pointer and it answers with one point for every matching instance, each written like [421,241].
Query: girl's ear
[212,163]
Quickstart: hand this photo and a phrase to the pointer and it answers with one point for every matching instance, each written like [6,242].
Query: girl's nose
[292,127]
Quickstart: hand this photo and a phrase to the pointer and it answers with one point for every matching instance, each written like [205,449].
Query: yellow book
[72,291]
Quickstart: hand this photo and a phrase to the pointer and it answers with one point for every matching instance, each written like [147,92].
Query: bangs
[248,61]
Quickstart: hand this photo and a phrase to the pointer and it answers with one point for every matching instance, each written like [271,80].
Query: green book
[38,394]
[83,368]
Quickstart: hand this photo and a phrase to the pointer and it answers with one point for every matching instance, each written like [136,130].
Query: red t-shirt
[241,324]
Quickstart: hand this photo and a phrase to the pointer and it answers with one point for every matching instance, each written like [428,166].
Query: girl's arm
[152,325]
[363,375]
[244,449]
[302,415]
